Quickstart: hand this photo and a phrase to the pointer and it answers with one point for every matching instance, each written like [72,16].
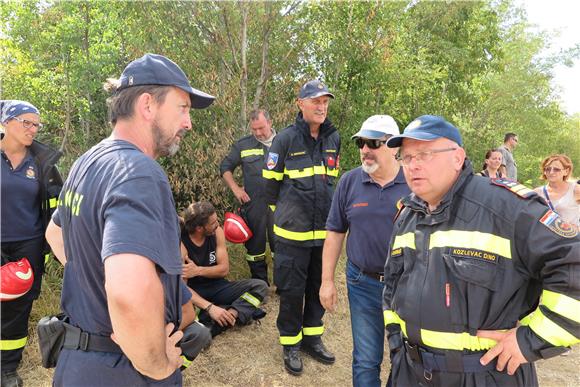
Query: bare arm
[55,240]
[135,299]
[218,314]
[238,191]
[577,193]
[330,254]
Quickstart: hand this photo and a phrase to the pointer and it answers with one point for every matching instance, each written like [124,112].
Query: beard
[372,168]
[165,145]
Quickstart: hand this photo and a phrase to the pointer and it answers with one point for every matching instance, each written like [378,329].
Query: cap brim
[397,141]
[199,99]
[370,134]
[320,94]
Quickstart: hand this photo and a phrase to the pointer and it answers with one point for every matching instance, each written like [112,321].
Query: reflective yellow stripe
[405,240]
[472,240]
[313,331]
[250,299]
[272,207]
[52,202]
[455,341]
[562,304]
[291,340]
[252,152]
[272,175]
[9,345]
[255,258]
[186,361]
[332,172]
[300,236]
[307,172]
[391,317]
[549,330]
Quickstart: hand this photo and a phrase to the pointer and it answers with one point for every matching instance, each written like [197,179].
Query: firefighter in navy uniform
[481,278]
[249,152]
[300,171]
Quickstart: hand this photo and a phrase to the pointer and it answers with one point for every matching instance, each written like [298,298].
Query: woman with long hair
[561,193]
[493,159]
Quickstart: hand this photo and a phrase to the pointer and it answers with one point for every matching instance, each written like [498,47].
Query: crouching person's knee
[196,337]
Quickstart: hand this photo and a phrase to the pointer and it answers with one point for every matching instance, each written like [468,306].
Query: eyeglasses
[552,169]
[372,144]
[28,124]
[421,157]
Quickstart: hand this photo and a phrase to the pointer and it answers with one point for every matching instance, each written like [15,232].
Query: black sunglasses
[372,144]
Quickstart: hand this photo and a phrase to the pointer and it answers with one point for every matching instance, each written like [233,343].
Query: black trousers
[260,219]
[15,313]
[298,275]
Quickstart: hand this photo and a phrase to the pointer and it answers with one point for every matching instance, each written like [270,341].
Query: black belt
[451,361]
[76,339]
[378,276]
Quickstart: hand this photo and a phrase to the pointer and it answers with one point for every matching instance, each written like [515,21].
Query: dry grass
[251,355]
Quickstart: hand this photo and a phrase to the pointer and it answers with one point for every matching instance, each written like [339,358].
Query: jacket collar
[326,128]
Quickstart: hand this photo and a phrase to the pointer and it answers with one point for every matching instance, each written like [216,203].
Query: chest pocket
[300,171]
[473,266]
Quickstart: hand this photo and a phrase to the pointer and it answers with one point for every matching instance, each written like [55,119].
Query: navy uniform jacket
[483,260]
[300,172]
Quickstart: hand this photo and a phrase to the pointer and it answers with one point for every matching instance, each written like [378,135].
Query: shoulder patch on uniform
[517,188]
[272,160]
[553,221]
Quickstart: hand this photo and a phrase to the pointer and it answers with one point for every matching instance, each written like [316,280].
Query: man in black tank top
[203,247]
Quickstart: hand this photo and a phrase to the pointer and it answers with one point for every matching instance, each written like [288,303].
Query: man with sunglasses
[480,277]
[364,205]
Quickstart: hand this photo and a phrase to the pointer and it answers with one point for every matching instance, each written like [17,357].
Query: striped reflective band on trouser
[548,329]
[46,258]
[291,340]
[313,331]
[9,345]
[186,361]
[250,299]
[252,152]
[442,340]
[299,235]
[255,258]
[472,240]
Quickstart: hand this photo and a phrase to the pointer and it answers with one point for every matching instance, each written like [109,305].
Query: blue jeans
[365,295]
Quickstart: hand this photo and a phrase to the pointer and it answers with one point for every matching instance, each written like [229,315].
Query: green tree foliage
[475,63]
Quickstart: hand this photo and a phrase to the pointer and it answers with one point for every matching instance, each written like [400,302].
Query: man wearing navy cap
[479,281]
[117,231]
[300,170]
[364,205]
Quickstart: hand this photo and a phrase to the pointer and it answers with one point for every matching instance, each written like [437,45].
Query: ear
[145,106]
[459,158]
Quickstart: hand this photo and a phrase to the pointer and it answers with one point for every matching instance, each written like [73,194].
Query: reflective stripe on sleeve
[549,330]
[562,304]
[291,340]
[252,152]
[272,175]
[250,299]
[313,331]
[255,258]
[472,240]
[299,236]
[9,345]
[53,202]
[405,240]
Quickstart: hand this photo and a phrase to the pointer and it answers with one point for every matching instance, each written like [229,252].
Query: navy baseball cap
[427,128]
[314,89]
[153,69]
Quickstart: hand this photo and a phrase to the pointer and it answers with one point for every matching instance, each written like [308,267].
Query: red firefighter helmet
[17,279]
[236,229]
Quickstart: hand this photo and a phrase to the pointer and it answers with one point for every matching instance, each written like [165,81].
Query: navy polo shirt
[366,210]
[20,201]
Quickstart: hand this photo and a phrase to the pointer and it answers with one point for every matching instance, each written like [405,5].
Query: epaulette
[400,207]
[517,188]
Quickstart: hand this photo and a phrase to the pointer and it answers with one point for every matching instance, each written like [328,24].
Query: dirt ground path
[251,356]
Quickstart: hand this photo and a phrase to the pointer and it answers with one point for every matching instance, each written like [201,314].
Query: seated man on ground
[223,303]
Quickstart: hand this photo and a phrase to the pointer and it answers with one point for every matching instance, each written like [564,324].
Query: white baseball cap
[377,127]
